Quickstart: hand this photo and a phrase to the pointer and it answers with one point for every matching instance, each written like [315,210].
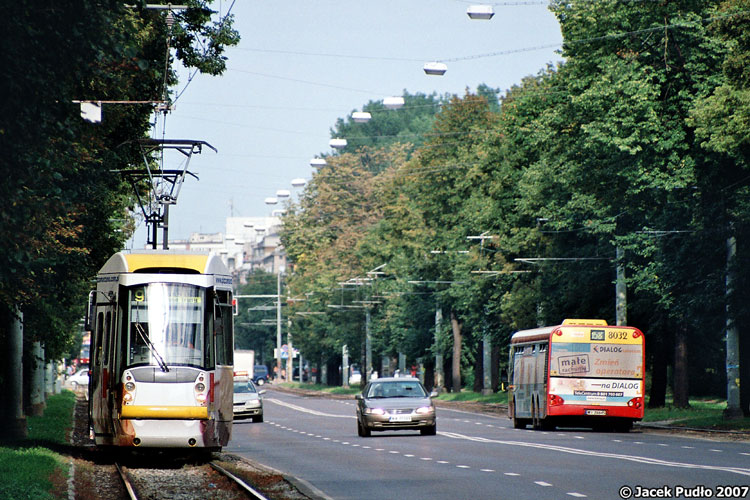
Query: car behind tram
[161,351]
[581,373]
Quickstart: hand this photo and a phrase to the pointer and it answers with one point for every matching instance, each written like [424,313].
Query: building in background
[249,244]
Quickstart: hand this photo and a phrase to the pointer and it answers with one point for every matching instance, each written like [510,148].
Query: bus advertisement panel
[596,367]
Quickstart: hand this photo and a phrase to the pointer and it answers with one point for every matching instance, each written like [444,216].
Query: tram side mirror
[90,311]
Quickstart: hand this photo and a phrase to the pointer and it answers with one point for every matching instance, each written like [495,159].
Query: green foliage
[637,143]
[407,125]
[249,330]
[61,206]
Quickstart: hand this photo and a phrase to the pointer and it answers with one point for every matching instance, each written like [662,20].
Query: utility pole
[439,376]
[733,409]
[278,324]
[368,347]
[621,291]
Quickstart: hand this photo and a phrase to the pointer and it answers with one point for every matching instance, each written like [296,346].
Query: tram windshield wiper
[152,348]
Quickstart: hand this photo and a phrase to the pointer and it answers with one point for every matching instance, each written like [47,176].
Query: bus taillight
[635,403]
[555,400]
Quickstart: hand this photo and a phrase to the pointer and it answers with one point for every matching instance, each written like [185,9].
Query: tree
[61,206]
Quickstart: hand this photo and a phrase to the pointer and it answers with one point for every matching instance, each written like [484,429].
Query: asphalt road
[482,457]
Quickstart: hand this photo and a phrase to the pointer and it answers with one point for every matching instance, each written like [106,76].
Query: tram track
[209,480]
[178,476]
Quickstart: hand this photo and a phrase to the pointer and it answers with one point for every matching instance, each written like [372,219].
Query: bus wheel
[518,423]
[623,426]
[534,416]
[548,424]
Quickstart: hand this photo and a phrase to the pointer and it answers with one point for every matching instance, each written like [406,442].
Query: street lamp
[481,12]
[298,182]
[337,143]
[318,162]
[271,201]
[435,68]
[283,193]
[361,116]
[393,102]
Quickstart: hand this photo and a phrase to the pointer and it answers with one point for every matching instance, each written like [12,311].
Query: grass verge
[30,469]
[469,396]
[322,388]
[702,413]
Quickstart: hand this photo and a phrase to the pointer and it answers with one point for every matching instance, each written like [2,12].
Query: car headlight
[375,411]
[424,410]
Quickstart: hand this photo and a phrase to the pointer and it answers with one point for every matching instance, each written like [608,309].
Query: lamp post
[486,339]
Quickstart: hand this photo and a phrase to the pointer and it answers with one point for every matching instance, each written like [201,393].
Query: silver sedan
[388,404]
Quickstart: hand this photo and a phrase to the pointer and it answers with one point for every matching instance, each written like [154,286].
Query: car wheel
[362,430]
[258,418]
[260,381]
[429,431]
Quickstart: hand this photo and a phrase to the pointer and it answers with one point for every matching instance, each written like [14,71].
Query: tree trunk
[456,326]
[479,368]
[495,368]
[680,382]
[658,394]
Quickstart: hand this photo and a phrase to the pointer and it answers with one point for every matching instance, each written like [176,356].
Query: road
[482,457]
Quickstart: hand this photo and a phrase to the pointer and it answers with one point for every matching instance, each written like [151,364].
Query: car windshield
[405,389]
[244,388]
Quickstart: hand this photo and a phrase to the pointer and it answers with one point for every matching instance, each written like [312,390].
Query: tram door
[102,380]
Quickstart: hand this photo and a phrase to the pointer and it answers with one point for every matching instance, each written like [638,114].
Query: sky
[302,64]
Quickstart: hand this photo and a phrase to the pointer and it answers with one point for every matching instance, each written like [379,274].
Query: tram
[161,351]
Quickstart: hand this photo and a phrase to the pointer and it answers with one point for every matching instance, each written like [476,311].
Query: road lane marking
[577,451]
[577,495]
[542,483]
[306,410]
[511,474]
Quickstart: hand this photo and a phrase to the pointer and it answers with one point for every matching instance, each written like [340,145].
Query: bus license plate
[596,412]
[400,418]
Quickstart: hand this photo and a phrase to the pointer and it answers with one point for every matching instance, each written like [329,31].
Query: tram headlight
[201,392]
[128,395]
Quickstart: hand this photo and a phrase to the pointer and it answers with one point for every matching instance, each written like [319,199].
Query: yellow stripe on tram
[165,412]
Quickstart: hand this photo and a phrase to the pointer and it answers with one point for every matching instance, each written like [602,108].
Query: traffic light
[235,309]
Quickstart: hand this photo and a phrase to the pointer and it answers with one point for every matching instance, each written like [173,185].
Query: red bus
[582,373]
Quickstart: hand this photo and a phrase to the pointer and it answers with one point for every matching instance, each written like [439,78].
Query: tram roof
[158,260]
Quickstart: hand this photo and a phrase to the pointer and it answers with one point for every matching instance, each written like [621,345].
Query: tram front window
[166,325]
